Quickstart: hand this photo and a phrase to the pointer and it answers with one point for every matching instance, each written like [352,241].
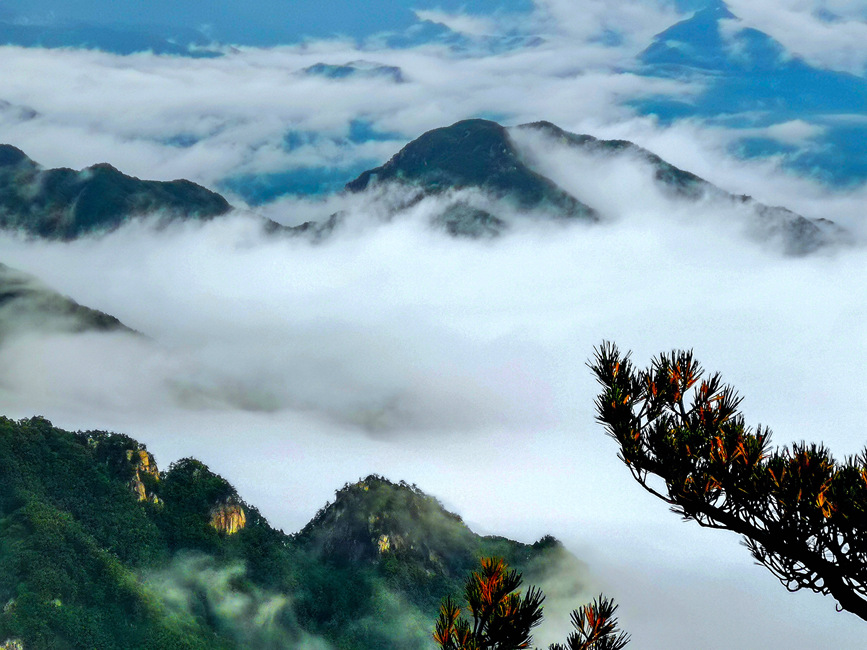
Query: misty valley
[367,330]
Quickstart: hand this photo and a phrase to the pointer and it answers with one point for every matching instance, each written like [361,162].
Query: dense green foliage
[70,534]
[97,550]
[64,204]
[802,513]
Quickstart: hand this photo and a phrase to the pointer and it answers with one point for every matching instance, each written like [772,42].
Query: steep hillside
[98,548]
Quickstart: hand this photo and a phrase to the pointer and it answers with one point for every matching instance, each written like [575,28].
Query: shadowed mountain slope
[64,204]
[474,154]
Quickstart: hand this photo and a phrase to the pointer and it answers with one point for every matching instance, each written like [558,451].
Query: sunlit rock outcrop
[228,517]
[144,466]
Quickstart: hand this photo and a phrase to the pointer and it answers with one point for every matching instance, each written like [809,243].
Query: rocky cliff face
[228,517]
[145,466]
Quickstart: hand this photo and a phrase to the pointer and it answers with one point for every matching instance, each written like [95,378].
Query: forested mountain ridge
[64,203]
[100,549]
[499,176]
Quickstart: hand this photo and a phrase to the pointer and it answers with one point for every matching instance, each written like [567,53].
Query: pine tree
[803,514]
[502,619]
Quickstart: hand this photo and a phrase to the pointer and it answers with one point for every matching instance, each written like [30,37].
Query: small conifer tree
[502,619]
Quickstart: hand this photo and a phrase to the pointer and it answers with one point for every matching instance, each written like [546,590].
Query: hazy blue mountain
[64,204]
[99,549]
[27,305]
[273,22]
[17,112]
[752,70]
[356,70]
[752,81]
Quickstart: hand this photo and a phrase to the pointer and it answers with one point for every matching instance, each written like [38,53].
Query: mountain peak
[474,154]
[12,156]
[375,519]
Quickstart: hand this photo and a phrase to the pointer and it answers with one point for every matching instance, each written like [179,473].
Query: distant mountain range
[483,157]
[483,176]
[99,549]
[751,82]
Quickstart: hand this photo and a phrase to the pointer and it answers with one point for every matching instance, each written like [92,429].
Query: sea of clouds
[291,368]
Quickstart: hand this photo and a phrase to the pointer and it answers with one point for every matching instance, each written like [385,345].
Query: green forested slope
[99,550]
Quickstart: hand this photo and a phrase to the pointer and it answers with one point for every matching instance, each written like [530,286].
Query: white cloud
[797,24]
[633,21]
[794,131]
[459,23]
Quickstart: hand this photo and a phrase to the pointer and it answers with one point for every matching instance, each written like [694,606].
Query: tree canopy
[503,619]
[802,513]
